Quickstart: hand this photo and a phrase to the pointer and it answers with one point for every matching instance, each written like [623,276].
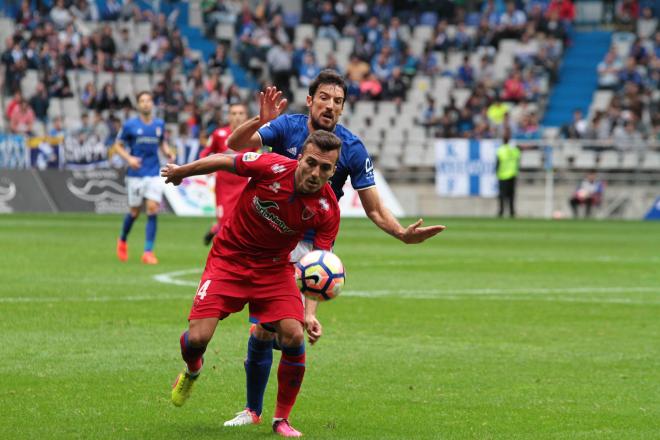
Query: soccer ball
[320,275]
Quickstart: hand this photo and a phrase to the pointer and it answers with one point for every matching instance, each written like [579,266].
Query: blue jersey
[286,134]
[143,141]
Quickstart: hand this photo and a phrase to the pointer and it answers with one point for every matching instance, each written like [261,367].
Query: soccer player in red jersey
[228,186]
[249,261]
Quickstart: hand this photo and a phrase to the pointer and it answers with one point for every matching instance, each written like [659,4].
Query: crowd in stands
[631,70]
[75,35]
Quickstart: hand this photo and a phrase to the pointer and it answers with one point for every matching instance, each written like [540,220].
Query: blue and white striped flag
[466,167]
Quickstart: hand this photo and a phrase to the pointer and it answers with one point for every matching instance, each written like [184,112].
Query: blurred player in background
[138,143]
[249,260]
[285,134]
[228,186]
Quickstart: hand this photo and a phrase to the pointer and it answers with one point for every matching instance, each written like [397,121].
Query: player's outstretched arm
[383,218]
[271,105]
[174,174]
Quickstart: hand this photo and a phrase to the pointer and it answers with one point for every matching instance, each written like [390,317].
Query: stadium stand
[429,73]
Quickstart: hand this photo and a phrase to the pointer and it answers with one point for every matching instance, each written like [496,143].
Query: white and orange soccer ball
[320,275]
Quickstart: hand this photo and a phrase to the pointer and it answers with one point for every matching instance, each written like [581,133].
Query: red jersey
[228,186]
[269,221]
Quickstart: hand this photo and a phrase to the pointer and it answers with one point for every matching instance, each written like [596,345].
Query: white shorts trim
[140,188]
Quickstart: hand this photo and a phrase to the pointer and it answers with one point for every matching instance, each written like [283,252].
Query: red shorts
[220,298]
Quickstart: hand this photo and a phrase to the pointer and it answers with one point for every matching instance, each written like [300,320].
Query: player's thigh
[135,187]
[153,191]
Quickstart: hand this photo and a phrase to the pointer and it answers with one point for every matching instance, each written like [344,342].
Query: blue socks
[126,227]
[150,233]
[257,369]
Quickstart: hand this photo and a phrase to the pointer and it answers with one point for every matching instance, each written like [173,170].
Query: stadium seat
[585,160]
[124,85]
[225,32]
[345,47]
[103,78]
[303,31]
[423,32]
[323,47]
[413,155]
[461,96]
[300,95]
[609,160]
[84,77]
[651,161]
[630,160]
[29,83]
[531,159]
[141,82]
[55,108]
[389,161]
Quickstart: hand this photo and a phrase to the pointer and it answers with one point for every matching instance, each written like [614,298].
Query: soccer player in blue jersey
[138,143]
[285,135]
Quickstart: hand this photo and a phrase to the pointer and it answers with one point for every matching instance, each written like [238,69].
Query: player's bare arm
[174,174]
[312,324]
[168,151]
[383,218]
[271,105]
[132,161]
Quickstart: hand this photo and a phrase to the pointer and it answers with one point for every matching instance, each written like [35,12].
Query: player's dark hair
[144,92]
[328,76]
[324,140]
[241,103]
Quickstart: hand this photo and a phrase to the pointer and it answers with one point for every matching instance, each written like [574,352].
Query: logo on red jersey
[307,214]
[275,187]
[324,204]
[262,207]
[278,168]
[250,156]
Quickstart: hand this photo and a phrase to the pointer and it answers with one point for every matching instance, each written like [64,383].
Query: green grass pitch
[493,330]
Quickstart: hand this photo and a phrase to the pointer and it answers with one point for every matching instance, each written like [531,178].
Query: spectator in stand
[578,128]
[111,10]
[381,67]
[511,23]
[440,40]
[630,73]
[40,102]
[428,63]
[497,111]
[280,65]
[85,10]
[219,61]
[627,13]
[371,88]
[57,83]
[100,129]
[395,87]
[174,102]
[60,15]
[647,24]
[108,99]
[308,70]
[357,69]
[639,53]
[465,74]
[57,128]
[608,71]
[26,17]
[588,193]
[13,104]
[22,119]
[372,34]
[565,10]
[332,64]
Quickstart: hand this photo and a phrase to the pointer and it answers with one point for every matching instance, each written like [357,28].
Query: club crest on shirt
[139,131]
[324,204]
[278,168]
[262,207]
[307,214]
[158,131]
[275,187]
[250,156]
[292,151]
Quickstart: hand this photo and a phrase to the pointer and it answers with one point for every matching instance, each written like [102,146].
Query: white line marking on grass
[519,294]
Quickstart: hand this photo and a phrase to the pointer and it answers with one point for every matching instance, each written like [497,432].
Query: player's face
[315,168]
[326,106]
[145,104]
[237,115]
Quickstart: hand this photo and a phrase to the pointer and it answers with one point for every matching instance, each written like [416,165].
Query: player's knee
[198,337]
[292,338]
[263,334]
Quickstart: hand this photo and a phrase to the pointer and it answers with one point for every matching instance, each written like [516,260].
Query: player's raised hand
[169,171]
[271,104]
[134,162]
[416,233]
[314,328]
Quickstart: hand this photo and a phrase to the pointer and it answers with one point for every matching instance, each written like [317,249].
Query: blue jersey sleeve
[272,134]
[124,136]
[361,167]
